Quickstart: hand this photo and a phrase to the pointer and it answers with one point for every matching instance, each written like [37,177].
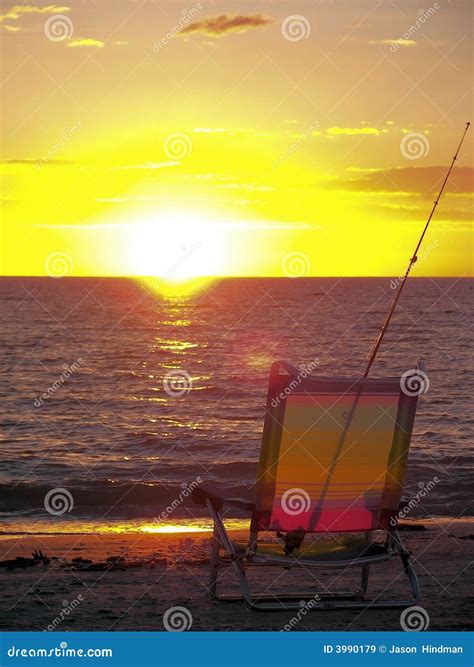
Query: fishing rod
[375,349]
[413,259]
[349,416]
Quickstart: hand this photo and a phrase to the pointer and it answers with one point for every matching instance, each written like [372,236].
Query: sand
[151,573]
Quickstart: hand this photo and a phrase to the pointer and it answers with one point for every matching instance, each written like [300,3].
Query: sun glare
[177,253]
[175,289]
[178,247]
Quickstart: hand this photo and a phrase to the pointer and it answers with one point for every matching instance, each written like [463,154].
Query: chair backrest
[333,453]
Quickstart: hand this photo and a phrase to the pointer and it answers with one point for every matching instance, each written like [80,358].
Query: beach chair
[331,469]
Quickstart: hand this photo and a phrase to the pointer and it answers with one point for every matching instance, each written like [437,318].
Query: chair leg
[239,570]
[243,583]
[408,568]
[214,566]
[219,537]
[364,581]
[412,577]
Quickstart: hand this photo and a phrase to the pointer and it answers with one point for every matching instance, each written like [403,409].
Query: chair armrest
[205,492]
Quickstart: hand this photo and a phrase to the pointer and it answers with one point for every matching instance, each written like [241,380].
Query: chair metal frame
[336,600]
[239,559]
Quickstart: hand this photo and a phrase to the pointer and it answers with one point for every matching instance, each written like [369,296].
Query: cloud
[210,130]
[415,213]
[245,186]
[335,131]
[34,163]
[147,165]
[220,25]
[397,42]
[6,201]
[97,43]
[14,12]
[425,180]
[11,28]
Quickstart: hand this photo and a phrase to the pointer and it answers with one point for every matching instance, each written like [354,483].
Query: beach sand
[165,570]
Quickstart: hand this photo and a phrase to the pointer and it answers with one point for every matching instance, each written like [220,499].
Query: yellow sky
[234,138]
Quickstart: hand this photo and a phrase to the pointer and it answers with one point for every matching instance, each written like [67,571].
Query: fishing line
[413,259]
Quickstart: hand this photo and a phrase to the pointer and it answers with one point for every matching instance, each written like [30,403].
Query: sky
[272,138]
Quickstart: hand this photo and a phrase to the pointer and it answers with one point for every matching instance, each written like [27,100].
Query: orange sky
[234,138]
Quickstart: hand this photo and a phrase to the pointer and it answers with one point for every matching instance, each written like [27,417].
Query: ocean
[123,398]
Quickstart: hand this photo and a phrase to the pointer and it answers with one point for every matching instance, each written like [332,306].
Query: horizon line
[232,277]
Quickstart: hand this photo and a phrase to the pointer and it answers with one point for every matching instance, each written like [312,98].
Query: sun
[177,252]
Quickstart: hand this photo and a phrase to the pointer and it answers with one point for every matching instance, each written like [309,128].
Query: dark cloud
[425,180]
[220,25]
